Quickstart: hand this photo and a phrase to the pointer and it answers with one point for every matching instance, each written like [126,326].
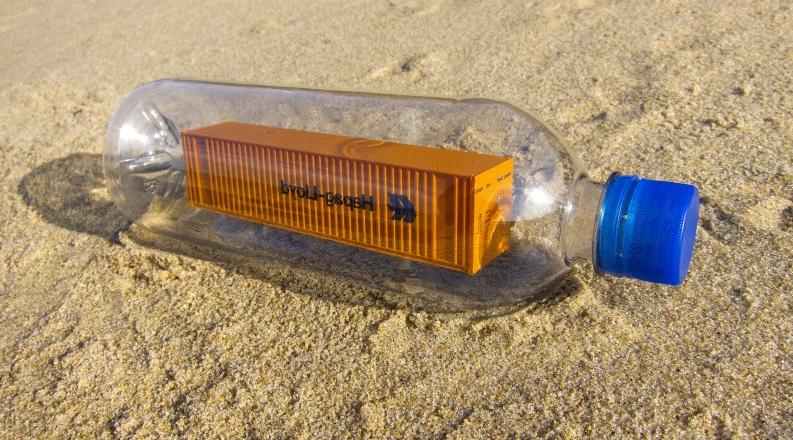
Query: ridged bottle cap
[646,229]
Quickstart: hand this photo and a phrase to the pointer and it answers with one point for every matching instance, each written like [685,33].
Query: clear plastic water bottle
[550,216]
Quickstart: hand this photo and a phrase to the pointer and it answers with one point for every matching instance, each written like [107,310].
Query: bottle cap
[646,229]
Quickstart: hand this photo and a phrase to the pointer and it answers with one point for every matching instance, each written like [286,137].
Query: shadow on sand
[69,192]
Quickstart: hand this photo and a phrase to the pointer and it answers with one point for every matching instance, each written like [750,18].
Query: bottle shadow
[70,192]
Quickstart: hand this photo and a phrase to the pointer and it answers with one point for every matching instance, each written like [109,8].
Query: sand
[109,333]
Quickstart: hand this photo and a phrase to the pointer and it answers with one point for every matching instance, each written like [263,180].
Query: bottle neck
[580,224]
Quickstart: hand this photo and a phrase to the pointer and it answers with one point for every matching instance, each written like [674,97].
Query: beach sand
[109,332]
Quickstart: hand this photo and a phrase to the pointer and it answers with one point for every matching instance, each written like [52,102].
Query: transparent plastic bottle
[627,226]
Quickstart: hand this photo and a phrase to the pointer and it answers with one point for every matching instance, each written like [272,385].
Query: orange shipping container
[438,206]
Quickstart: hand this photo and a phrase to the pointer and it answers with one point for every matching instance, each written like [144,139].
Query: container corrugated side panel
[243,180]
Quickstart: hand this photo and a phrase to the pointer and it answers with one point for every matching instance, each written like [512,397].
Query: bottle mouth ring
[614,212]
[599,221]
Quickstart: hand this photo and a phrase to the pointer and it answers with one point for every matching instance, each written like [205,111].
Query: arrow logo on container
[402,207]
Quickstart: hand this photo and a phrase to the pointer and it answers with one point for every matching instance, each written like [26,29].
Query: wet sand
[109,331]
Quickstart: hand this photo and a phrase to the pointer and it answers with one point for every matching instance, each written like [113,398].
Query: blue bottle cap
[646,229]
